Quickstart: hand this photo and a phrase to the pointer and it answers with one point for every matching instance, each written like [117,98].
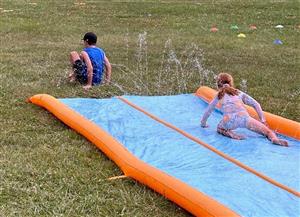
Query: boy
[89,65]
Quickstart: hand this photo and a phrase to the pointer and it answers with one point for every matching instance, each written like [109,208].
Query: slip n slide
[158,141]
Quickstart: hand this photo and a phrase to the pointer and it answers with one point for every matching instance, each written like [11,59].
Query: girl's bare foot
[236,136]
[230,134]
[280,142]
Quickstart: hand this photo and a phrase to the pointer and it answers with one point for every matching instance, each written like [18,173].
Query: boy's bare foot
[87,87]
[71,77]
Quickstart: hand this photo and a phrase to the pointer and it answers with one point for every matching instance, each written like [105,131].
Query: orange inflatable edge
[278,124]
[177,191]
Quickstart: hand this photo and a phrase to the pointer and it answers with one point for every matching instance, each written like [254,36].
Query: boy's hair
[90,38]
[225,85]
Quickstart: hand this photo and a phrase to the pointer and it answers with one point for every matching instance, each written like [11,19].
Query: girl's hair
[225,85]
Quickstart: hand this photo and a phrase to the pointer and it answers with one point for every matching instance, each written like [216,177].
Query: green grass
[49,170]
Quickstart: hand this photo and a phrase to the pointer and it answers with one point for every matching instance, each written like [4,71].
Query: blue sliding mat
[180,157]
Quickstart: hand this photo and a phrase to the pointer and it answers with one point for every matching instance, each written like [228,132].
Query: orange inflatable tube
[177,191]
[278,124]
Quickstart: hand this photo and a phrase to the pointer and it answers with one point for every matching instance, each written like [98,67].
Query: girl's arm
[248,100]
[208,111]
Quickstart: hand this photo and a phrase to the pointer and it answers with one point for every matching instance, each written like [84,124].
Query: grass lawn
[156,47]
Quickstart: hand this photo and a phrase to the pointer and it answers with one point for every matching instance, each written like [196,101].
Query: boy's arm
[89,68]
[107,70]
[248,100]
[208,111]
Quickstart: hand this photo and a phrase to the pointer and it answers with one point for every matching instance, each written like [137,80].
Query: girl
[235,114]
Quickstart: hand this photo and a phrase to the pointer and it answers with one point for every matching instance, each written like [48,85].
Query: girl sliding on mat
[235,114]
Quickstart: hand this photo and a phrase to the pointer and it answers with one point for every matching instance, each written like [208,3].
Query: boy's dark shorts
[80,71]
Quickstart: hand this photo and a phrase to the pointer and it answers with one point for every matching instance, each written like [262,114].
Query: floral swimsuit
[234,112]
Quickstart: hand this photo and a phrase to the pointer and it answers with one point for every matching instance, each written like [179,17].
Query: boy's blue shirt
[96,56]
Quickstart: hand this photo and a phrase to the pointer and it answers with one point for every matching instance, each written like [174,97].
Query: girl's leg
[225,127]
[230,134]
[258,127]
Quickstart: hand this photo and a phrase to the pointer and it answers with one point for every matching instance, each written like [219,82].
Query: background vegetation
[156,48]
